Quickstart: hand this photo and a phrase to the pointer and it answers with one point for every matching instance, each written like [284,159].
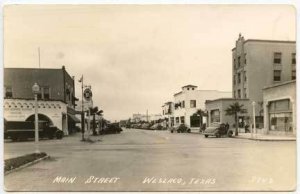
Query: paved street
[188,162]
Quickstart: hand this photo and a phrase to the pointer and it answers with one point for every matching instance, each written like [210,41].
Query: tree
[235,109]
[95,111]
[200,113]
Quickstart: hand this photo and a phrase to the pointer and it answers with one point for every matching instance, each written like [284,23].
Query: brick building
[56,98]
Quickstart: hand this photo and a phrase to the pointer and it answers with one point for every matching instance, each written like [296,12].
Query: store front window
[280,116]
[215,116]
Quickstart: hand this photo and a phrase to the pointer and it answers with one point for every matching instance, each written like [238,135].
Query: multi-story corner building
[56,98]
[189,100]
[260,63]
[167,113]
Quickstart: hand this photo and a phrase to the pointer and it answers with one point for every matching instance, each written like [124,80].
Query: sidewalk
[265,137]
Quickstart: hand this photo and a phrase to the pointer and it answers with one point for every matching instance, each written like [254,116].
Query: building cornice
[279,84]
[267,41]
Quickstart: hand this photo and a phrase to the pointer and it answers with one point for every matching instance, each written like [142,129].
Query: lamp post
[254,123]
[36,90]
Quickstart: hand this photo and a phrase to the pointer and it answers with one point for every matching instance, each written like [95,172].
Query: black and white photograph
[149,97]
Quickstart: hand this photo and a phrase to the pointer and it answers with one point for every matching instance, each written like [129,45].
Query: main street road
[135,159]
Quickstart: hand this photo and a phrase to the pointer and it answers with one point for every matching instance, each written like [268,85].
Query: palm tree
[201,113]
[234,109]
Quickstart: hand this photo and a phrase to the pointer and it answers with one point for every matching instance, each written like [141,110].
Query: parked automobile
[111,128]
[157,126]
[22,130]
[182,128]
[145,126]
[218,130]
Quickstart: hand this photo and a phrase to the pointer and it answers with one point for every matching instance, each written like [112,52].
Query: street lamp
[36,90]
[254,123]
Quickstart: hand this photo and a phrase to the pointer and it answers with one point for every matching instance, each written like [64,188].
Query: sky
[136,57]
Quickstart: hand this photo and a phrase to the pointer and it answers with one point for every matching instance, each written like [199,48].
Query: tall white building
[189,100]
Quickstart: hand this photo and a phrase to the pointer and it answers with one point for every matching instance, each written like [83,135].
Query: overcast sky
[137,56]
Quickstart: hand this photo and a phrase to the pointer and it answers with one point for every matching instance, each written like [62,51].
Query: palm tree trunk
[236,125]
[94,125]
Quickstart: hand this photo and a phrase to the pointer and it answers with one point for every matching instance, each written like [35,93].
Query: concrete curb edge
[26,165]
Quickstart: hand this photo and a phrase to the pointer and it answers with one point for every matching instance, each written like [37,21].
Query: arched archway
[41,117]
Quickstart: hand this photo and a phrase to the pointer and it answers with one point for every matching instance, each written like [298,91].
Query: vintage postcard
[160,97]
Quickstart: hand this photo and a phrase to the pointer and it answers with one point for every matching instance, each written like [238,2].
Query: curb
[259,139]
[27,164]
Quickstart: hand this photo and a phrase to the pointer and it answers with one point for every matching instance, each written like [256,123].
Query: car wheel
[59,134]
[206,136]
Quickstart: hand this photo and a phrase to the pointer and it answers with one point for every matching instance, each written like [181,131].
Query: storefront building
[280,108]
[216,110]
[56,99]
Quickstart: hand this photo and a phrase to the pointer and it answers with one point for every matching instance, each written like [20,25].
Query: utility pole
[82,109]
[147,115]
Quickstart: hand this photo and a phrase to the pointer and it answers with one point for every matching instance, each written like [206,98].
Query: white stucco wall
[279,92]
[20,110]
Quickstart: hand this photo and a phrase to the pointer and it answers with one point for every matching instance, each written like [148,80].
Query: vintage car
[217,130]
[180,129]
[22,130]
[145,126]
[111,128]
[157,126]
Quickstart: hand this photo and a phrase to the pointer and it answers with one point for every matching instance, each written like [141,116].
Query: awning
[73,118]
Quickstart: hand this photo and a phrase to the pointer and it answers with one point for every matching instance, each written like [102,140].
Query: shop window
[277,75]
[281,122]
[182,120]
[177,119]
[280,105]
[277,58]
[215,116]
[8,92]
[193,104]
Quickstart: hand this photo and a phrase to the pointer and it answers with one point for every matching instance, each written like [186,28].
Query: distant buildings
[145,117]
[56,98]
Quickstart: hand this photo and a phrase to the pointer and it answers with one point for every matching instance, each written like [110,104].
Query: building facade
[167,113]
[280,108]
[189,100]
[260,63]
[56,98]
[216,110]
